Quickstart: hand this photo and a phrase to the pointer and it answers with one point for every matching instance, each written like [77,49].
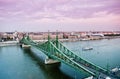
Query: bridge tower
[108,68]
[49,60]
[23,45]
[57,39]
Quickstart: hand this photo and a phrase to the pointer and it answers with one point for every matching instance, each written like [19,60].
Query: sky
[61,15]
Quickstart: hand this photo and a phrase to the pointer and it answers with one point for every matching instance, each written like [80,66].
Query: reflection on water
[104,51]
[19,63]
[49,71]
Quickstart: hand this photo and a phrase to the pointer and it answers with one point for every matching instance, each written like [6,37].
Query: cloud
[81,12]
[67,8]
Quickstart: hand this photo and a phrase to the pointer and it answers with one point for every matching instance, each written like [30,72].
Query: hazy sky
[62,15]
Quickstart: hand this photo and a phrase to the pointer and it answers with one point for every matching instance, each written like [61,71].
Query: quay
[9,43]
[55,50]
[59,52]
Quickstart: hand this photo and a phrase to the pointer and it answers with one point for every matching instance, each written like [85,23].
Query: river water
[19,63]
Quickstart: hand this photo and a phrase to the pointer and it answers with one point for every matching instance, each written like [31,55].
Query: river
[19,63]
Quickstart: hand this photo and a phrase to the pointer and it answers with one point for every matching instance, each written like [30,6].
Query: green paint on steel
[57,39]
[48,36]
[79,59]
[108,68]
[56,50]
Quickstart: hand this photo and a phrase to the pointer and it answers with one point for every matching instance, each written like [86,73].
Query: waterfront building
[15,35]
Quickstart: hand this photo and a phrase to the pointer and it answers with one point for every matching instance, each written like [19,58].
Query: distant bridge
[57,51]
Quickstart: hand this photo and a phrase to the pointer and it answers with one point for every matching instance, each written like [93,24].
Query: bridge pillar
[25,46]
[49,61]
[57,39]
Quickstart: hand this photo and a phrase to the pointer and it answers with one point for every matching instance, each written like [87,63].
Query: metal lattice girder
[56,50]
[79,59]
[62,57]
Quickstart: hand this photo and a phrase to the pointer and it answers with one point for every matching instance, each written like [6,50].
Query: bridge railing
[63,57]
[77,58]
[52,51]
[65,50]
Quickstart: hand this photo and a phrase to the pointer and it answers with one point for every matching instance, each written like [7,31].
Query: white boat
[87,48]
[107,78]
[115,69]
[91,77]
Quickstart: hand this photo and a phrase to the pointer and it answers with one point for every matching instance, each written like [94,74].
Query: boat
[87,48]
[116,69]
[107,78]
[91,77]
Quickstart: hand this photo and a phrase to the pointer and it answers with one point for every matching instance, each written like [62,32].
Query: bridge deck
[57,50]
[77,58]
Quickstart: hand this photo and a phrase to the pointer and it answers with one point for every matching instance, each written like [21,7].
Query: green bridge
[57,51]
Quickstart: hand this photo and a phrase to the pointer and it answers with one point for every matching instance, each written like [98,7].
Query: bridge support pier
[25,46]
[49,61]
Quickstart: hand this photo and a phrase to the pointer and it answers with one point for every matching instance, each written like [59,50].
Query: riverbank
[111,37]
[9,43]
[86,39]
[62,40]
